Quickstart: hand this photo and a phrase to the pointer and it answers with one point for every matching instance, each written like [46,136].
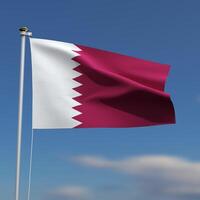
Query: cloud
[93,161]
[71,192]
[198,98]
[157,176]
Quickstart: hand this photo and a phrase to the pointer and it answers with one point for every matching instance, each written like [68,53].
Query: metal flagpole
[23,32]
[30,165]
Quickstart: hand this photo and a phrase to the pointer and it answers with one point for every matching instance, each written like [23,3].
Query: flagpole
[23,32]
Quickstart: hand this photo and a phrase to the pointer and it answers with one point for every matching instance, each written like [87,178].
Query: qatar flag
[75,86]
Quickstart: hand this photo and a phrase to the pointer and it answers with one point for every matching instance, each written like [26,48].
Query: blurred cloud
[198,98]
[157,176]
[70,192]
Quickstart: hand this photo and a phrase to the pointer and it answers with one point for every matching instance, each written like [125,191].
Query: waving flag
[75,86]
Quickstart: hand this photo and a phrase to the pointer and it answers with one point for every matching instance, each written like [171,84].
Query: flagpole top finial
[24,31]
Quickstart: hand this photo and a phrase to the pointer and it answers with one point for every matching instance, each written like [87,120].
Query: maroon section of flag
[121,91]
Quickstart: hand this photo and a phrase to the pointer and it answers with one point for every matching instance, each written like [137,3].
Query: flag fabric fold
[79,86]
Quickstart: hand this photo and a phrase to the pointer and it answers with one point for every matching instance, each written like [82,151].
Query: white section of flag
[52,77]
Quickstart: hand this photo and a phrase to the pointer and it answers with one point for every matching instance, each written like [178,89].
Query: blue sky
[87,164]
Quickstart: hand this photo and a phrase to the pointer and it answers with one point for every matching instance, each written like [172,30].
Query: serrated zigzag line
[75,93]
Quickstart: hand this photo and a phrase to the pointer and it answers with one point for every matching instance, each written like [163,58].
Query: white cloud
[71,192]
[156,175]
[93,161]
